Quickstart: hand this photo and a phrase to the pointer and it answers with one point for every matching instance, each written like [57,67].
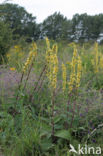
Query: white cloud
[43,8]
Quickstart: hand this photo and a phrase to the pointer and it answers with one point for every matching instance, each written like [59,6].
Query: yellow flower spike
[34,46]
[52,64]
[79,70]
[55,48]
[76,67]
[101,61]
[96,59]
[64,74]
[47,43]
[32,55]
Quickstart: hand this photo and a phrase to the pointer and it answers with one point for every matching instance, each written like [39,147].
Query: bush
[5,39]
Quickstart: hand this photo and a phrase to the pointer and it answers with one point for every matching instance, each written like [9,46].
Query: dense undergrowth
[63,106]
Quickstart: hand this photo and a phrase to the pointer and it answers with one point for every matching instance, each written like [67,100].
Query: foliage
[20,21]
[44,119]
[5,39]
[55,26]
[81,28]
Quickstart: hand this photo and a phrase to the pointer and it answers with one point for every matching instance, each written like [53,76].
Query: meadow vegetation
[51,83]
[56,101]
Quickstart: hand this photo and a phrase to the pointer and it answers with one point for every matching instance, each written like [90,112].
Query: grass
[37,122]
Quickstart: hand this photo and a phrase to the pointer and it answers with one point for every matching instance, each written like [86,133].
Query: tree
[5,39]
[20,21]
[55,26]
[85,27]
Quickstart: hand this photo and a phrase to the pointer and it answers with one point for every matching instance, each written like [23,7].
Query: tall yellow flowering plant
[52,70]
[96,59]
[74,81]
[32,55]
[52,66]
[97,62]
[64,75]
[28,65]
[75,75]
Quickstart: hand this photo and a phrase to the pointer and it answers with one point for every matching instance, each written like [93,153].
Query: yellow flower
[47,43]
[31,57]
[68,63]
[52,64]
[55,48]
[12,69]
[72,81]
[76,68]
[17,48]
[79,70]
[101,61]
[96,49]
[64,76]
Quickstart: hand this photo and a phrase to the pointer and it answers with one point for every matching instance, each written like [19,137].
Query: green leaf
[65,134]
[57,119]
[46,145]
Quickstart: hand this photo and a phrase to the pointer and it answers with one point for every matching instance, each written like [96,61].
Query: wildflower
[55,48]
[47,43]
[79,69]
[96,50]
[76,68]
[12,69]
[17,48]
[101,61]
[68,63]
[52,64]
[64,76]
[31,57]
[71,83]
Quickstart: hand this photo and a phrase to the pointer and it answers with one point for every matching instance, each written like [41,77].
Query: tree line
[16,22]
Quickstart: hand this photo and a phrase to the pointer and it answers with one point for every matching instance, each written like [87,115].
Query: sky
[43,8]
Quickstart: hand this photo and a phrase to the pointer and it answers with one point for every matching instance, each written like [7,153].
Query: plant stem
[52,115]
[20,84]
[28,75]
[31,96]
[74,104]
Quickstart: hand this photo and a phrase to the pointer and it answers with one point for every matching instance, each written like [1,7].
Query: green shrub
[5,39]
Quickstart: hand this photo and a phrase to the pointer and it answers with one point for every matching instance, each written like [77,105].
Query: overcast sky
[43,8]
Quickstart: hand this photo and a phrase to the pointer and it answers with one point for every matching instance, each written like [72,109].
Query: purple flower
[81,115]
[94,141]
